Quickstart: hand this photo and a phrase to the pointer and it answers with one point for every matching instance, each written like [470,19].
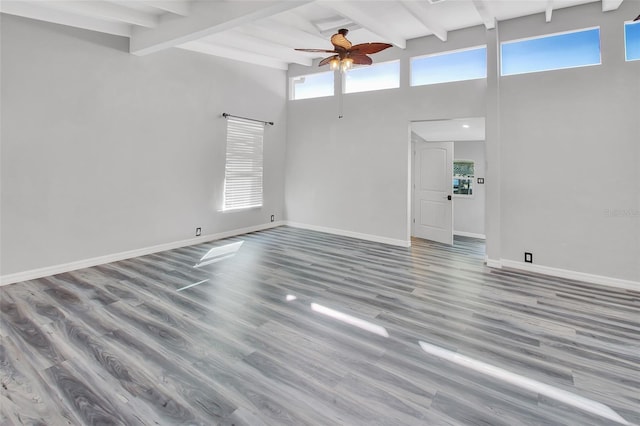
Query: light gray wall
[105,152]
[562,150]
[468,212]
[570,153]
[352,173]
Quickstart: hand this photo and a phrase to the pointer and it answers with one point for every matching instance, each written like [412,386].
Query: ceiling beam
[236,39]
[286,36]
[231,53]
[420,10]
[205,18]
[548,11]
[608,5]
[375,25]
[291,19]
[39,12]
[106,11]
[177,7]
[482,6]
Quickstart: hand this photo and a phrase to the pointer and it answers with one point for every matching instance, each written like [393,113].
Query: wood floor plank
[299,327]
[26,397]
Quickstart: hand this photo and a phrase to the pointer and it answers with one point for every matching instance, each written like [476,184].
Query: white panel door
[432,203]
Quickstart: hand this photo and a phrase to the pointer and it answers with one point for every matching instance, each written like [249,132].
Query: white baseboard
[100,260]
[344,233]
[492,263]
[565,273]
[470,235]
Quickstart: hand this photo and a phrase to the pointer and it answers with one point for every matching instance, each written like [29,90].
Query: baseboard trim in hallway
[470,235]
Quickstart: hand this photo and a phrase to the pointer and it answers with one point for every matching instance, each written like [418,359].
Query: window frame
[471,179]
[543,36]
[626,53]
[292,85]
[447,52]
[346,74]
[246,148]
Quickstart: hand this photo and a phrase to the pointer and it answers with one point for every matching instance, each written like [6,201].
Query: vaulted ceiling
[265,32]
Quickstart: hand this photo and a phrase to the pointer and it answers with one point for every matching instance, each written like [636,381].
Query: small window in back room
[551,52]
[311,86]
[458,65]
[463,172]
[385,75]
[632,41]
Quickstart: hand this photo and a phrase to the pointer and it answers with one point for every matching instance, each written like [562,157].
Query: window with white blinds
[243,170]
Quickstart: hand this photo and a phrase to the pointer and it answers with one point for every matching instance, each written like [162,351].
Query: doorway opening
[447,179]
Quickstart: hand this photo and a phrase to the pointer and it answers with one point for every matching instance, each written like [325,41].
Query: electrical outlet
[528,257]
[273,218]
[198,232]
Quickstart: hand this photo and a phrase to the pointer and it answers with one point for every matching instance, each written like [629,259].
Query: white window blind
[243,170]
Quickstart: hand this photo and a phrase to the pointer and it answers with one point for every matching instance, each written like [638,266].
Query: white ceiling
[266,32]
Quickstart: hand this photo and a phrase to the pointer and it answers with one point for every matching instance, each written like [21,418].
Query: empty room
[390,212]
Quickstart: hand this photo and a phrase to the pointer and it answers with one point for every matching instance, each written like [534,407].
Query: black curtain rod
[225,115]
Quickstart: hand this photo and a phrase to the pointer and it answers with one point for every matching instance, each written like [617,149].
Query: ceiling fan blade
[369,48]
[637,19]
[316,50]
[360,59]
[325,61]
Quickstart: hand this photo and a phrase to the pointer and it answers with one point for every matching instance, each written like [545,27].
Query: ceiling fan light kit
[341,64]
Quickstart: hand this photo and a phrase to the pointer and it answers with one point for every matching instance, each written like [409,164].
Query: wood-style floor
[304,328]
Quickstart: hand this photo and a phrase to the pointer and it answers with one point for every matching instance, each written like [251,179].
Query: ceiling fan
[346,54]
